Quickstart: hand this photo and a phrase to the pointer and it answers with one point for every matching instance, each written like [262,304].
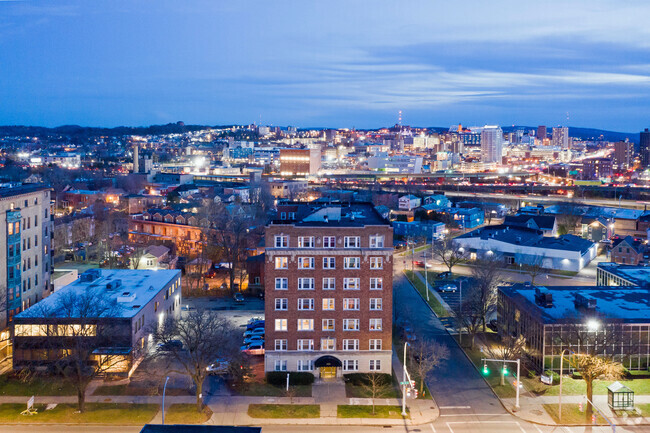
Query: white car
[219,366]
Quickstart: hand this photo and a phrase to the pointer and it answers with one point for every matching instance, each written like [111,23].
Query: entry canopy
[327,361]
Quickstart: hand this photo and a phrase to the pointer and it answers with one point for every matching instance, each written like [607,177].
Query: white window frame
[376,263]
[376,284]
[352,242]
[327,347]
[305,284]
[309,323]
[280,345]
[305,242]
[350,365]
[352,263]
[305,344]
[281,284]
[375,325]
[282,262]
[305,365]
[283,304]
[377,241]
[329,304]
[348,284]
[356,304]
[281,325]
[325,325]
[351,324]
[374,365]
[351,344]
[306,304]
[329,241]
[329,283]
[308,261]
[280,365]
[376,304]
[374,344]
[329,262]
[281,241]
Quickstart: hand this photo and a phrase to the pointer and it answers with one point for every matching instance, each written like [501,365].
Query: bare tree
[535,267]
[448,252]
[78,325]
[510,348]
[469,314]
[191,344]
[569,215]
[486,276]
[136,257]
[425,355]
[377,385]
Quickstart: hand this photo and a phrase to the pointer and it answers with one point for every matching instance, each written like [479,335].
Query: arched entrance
[328,366]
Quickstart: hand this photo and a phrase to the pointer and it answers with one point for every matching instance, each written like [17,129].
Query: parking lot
[238,312]
[451,298]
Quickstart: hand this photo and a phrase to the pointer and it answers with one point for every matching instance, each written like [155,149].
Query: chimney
[326,218]
[136,159]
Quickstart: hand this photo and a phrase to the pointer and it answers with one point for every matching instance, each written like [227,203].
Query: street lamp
[406,343]
[163,400]
[426,279]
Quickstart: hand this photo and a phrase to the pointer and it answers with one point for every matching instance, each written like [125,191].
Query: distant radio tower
[399,118]
[567,117]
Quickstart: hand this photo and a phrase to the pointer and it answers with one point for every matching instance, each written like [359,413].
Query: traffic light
[505,370]
[485,369]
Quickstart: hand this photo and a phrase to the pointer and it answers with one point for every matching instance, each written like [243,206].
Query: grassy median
[436,306]
[363,411]
[186,414]
[99,413]
[284,410]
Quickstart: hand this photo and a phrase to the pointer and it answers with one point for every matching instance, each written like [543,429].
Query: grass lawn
[494,377]
[571,414]
[381,411]
[105,413]
[572,386]
[284,410]
[436,306]
[136,390]
[257,389]
[352,391]
[186,414]
[38,385]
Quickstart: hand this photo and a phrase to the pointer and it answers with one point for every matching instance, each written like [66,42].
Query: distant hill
[76,130]
[586,133]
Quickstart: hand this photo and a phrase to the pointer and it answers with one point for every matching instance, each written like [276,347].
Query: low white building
[519,245]
[409,202]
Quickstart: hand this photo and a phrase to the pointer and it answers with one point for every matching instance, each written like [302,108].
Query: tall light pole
[426,279]
[560,396]
[163,400]
[404,381]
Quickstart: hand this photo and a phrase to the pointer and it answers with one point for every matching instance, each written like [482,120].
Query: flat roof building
[614,274]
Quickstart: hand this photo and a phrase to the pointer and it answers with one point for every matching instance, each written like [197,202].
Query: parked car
[253,349]
[254,331]
[238,297]
[255,325]
[170,346]
[219,366]
[445,274]
[255,319]
[254,339]
[492,325]
[422,264]
[448,288]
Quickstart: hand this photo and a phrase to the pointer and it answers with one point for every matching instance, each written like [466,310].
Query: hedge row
[279,378]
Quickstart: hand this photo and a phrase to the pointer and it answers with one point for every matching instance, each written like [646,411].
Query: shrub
[359,379]
[555,377]
[279,378]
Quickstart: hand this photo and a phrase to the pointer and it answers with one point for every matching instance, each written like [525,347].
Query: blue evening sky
[331,63]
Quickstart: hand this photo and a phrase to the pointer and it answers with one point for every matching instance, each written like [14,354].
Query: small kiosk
[620,397]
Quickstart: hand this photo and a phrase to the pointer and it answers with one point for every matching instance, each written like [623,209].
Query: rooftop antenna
[399,118]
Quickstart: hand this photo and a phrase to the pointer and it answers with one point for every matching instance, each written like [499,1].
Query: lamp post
[404,381]
[163,400]
[426,279]
[560,396]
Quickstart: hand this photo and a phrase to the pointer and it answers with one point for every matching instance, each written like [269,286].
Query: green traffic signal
[485,370]
[505,370]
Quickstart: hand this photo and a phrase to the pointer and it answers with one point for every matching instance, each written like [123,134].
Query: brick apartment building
[628,251]
[172,228]
[328,292]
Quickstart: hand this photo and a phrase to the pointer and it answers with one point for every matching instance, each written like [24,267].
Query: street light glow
[593,325]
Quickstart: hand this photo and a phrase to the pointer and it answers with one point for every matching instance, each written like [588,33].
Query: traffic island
[284,411]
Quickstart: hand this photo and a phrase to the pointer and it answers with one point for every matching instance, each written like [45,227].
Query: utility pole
[163,400]
[426,279]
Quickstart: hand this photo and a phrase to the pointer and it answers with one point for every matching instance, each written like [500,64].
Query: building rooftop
[627,303]
[11,191]
[639,275]
[340,215]
[529,237]
[131,289]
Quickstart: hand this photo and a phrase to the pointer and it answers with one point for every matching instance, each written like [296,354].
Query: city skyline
[334,65]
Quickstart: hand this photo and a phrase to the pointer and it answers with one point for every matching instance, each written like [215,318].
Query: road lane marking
[433,428]
[455,407]
[538,429]
[476,414]
[484,422]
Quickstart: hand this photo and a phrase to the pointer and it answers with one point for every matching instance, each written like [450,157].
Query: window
[350,365]
[376,263]
[329,283]
[306,304]
[305,263]
[352,262]
[305,324]
[281,283]
[328,325]
[305,284]
[349,344]
[327,344]
[281,365]
[328,304]
[281,262]
[35,220]
[376,284]
[375,304]
[10,228]
[351,284]
[329,263]
[305,344]
[281,304]
[375,324]
[375,344]
[281,345]
[350,324]
[305,365]
[280,324]
[351,303]
[306,242]
[375,365]
[329,241]
[281,241]
[376,241]
[352,242]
